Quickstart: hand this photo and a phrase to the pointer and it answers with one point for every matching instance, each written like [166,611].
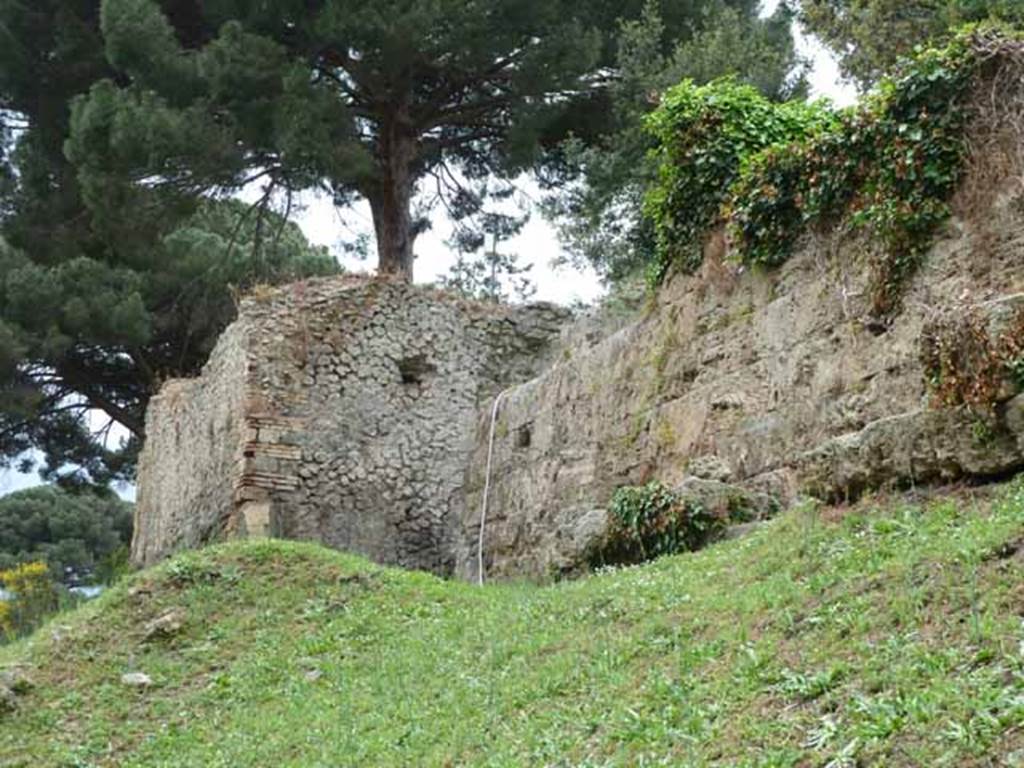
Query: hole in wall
[876,326]
[413,370]
[524,436]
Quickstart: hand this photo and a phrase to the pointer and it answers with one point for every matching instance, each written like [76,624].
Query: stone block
[255,517]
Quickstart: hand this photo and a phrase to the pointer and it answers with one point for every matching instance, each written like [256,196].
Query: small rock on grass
[136,680]
[8,699]
[15,680]
[166,625]
[13,684]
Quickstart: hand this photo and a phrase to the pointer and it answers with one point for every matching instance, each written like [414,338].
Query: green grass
[886,635]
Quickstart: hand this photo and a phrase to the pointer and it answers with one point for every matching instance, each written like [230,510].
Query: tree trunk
[391,201]
[392,223]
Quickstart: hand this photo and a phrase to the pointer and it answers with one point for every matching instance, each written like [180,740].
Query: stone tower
[340,410]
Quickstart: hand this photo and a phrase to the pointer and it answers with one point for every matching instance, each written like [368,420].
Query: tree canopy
[869,36]
[353,98]
[63,529]
[99,305]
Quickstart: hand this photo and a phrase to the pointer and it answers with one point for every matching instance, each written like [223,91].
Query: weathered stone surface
[193,430]
[922,446]
[166,625]
[778,381]
[726,501]
[710,468]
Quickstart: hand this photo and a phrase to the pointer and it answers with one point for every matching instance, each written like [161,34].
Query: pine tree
[356,98]
[96,312]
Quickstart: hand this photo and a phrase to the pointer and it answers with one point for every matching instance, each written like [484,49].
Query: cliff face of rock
[358,413]
[780,379]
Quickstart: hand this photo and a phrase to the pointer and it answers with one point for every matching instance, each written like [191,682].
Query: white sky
[537,244]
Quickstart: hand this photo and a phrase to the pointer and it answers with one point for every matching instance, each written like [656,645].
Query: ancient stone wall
[781,378]
[337,410]
[357,412]
[193,449]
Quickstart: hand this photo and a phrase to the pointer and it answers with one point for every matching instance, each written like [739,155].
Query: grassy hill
[889,634]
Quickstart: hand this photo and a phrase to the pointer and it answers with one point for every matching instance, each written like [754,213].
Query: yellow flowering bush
[33,597]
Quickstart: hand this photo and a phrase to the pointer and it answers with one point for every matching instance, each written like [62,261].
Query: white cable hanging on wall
[487,489]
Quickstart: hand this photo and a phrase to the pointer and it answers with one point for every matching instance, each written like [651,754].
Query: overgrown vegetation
[597,191]
[887,167]
[884,635]
[652,520]
[965,364]
[705,136]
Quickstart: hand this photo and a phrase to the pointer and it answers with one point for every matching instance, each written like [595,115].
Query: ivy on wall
[705,134]
[966,364]
[768,172]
